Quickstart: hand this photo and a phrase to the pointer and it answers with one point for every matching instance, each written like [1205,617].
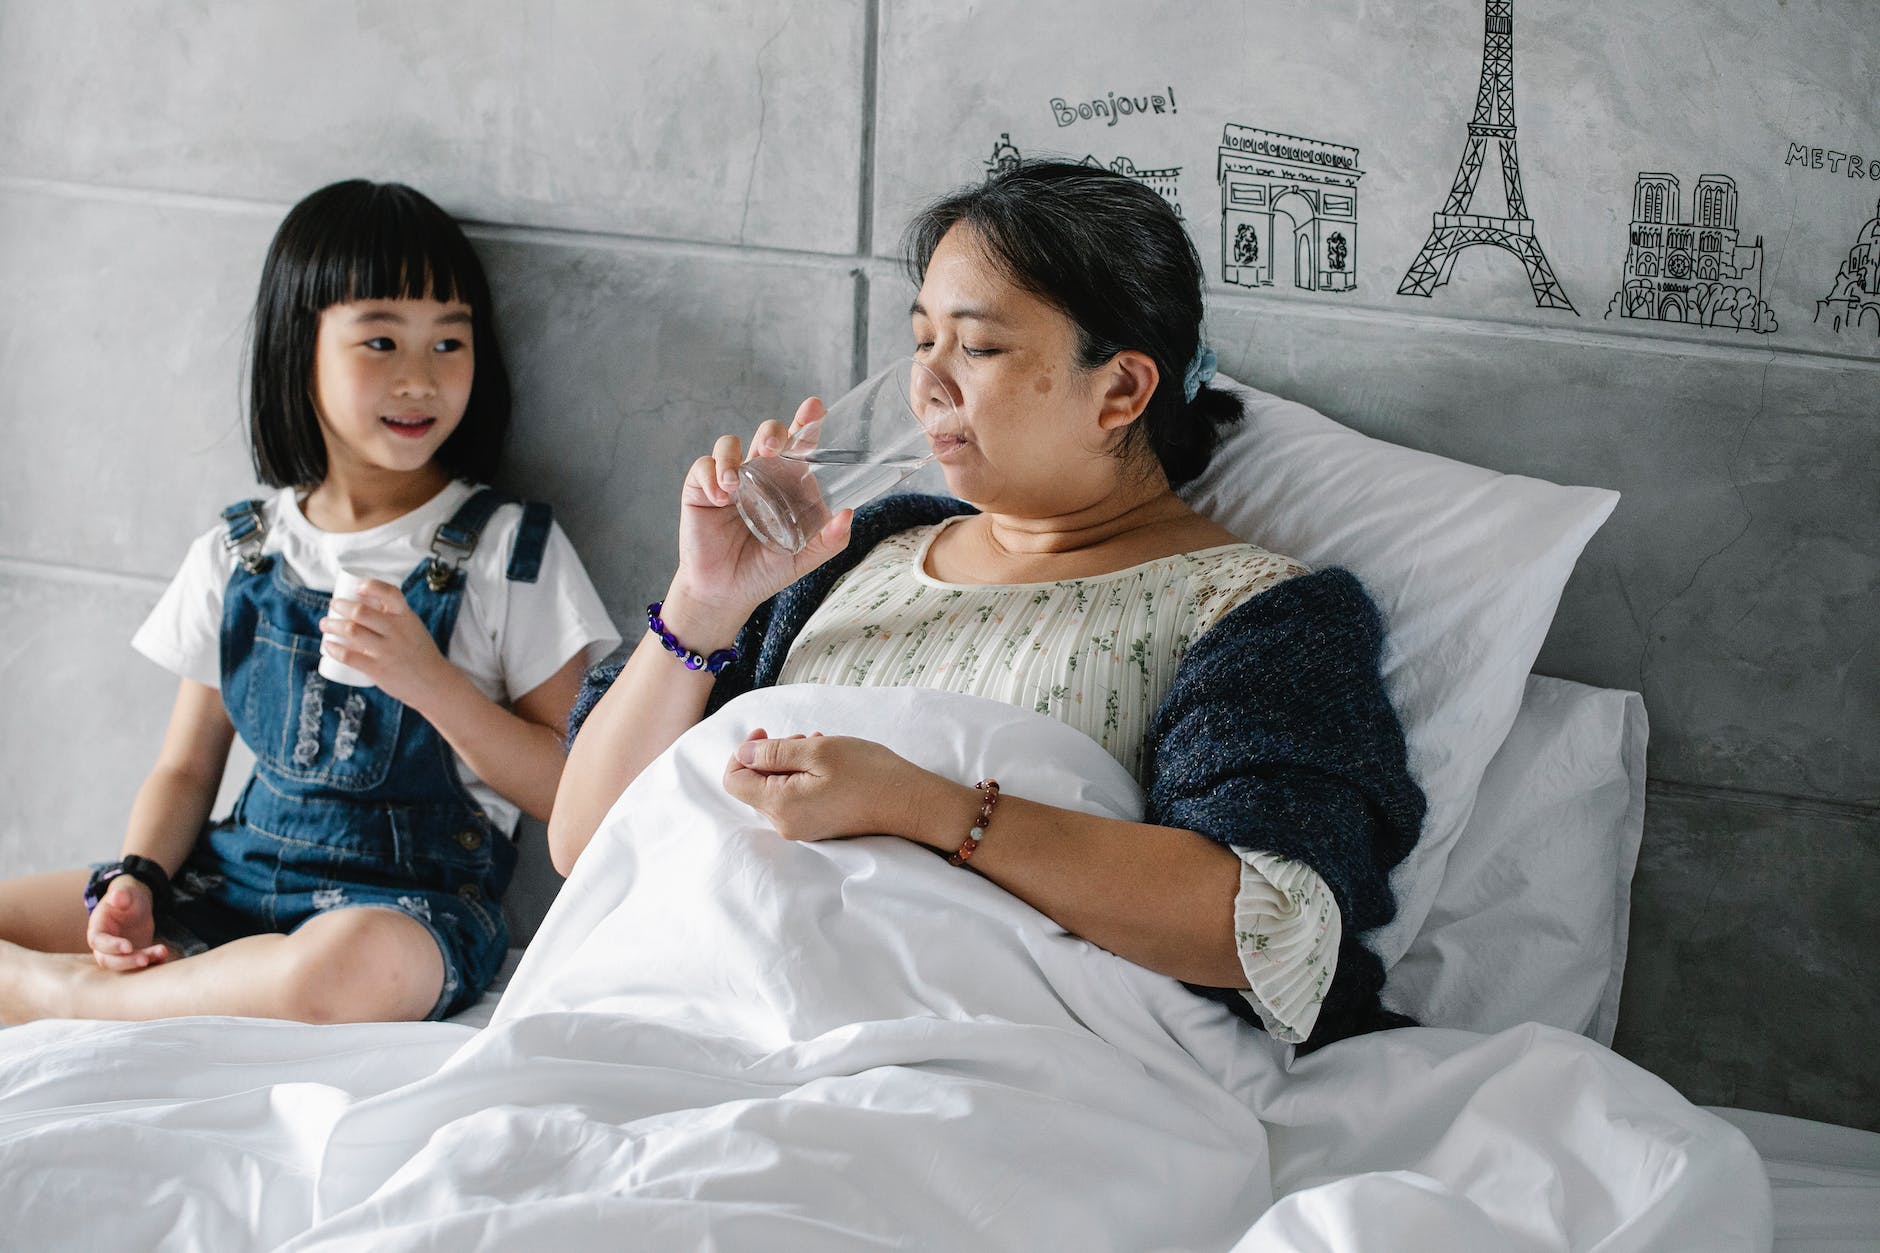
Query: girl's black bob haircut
[1110,254]
[359,240]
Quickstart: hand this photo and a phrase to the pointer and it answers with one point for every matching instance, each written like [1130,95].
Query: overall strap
[247,528]
[456,539]
[525,552]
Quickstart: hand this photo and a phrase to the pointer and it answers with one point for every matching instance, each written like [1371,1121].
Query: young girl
[359,875]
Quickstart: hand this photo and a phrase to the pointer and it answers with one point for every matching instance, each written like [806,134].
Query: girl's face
[1035,441]
[391,379]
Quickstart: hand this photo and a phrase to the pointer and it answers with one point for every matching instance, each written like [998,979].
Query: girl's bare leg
[45,911]
[351,965]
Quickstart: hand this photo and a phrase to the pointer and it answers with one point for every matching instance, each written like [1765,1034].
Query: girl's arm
[517,753]
[176,796]
[166,819]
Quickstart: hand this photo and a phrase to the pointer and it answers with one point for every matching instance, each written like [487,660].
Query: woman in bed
[1061,307]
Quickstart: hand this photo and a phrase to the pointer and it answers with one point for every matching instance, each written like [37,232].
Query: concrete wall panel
[1777,99]
[1720,967]
[629,363]
[121,376]
[86,715]
[686,121]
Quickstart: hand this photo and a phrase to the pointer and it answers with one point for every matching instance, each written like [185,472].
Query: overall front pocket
[310,729]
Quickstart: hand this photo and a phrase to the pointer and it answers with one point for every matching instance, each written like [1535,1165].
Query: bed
[720,1040]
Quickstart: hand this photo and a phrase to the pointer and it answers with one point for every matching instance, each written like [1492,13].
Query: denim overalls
[355,799]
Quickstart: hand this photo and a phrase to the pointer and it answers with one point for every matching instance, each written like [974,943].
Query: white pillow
[1531,921]
[1466,564]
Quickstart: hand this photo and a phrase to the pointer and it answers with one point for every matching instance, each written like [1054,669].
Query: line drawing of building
[1854,300]
[1004,156]
[1267,177]
[1164,182]
[1454,229]
[1693,270]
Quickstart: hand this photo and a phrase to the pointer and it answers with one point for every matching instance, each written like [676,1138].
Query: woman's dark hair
[1113,257]
[358,240]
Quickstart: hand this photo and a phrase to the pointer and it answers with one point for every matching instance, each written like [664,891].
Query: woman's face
[1030,441]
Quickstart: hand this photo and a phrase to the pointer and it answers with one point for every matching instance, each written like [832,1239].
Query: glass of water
[868,442]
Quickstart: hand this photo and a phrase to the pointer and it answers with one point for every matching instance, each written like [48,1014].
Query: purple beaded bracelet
[710,665]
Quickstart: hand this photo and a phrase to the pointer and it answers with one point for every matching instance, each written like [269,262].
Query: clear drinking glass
[867,442]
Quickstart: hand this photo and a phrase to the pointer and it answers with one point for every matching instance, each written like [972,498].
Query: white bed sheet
[722,1040]
[1825,1181]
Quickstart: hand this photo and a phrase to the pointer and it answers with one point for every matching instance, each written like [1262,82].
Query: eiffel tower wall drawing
[1454,229]
[1691,269]
[1288,206]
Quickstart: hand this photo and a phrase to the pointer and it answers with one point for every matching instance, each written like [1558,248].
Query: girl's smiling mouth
[410,425]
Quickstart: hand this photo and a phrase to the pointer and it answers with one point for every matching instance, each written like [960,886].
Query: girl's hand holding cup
[345,599]
[371,634]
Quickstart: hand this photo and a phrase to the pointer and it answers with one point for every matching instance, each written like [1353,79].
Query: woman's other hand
[122,931]
[820,787]
[725,571]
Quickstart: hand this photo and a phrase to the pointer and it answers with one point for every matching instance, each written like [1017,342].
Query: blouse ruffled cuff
[1287,928]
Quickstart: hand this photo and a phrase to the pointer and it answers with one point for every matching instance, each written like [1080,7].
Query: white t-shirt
[509,637]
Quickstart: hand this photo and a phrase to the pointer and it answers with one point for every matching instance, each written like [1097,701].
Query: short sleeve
[1238,578]
[183,634]
[555,618]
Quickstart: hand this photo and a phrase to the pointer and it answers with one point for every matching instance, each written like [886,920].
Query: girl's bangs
[396,250]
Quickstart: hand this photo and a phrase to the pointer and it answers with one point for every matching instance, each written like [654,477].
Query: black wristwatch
[142,869]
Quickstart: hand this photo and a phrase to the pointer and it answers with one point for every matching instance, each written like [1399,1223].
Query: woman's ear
[1129,380]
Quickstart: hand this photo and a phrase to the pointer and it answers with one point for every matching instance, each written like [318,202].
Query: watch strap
[147,872]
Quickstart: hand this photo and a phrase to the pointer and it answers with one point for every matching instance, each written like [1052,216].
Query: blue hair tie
[1200,370]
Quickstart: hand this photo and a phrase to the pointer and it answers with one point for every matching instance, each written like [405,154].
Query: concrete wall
[690,214]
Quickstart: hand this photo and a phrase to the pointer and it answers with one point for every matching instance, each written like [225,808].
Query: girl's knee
[363,965]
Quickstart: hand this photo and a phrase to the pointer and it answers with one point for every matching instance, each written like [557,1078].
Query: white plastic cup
[345,588]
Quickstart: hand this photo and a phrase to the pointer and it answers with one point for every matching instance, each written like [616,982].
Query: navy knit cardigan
[1275,736]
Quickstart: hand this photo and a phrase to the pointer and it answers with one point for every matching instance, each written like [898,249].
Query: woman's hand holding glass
[725,572]
[876,435]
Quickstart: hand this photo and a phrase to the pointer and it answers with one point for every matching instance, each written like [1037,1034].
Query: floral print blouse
[1097,653]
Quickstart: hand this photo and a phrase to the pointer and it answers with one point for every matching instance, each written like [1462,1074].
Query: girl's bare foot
[37,985]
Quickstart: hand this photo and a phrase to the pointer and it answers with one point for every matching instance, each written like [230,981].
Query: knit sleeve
[1277,737]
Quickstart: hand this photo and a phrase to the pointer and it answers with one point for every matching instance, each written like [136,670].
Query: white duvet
[720,1040]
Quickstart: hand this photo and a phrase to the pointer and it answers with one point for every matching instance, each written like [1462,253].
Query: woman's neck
[1124,528]
[355,501]
[1112,518]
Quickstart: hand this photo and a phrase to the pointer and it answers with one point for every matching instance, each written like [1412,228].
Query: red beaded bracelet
[989,790]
